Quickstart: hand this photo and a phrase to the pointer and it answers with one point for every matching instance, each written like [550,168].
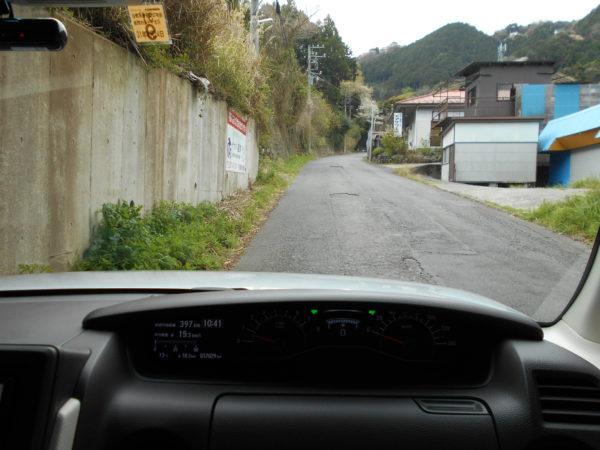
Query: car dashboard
[291,369]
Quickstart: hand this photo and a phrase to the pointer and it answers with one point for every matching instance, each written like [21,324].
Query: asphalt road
[344,216]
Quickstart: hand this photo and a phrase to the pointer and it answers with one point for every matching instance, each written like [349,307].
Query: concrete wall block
[24,158]
[92,125]
[69,171]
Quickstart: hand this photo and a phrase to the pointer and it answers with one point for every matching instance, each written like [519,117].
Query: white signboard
[397,124]
[235,159]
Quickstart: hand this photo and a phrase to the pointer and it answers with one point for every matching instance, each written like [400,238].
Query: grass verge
[589,183]
[180,236]
[576,216]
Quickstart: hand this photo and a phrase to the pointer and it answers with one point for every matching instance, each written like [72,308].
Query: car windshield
[449,145]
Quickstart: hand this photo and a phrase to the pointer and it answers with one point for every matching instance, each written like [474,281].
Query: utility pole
[371,131]
[312,69]
[254,24]
[345,117]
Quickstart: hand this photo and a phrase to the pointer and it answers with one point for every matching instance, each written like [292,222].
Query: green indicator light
[372,312]
[314,311]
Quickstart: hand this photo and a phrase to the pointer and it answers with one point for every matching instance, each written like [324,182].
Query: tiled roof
[451,96]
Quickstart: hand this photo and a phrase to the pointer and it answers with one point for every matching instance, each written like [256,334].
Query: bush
[393,145]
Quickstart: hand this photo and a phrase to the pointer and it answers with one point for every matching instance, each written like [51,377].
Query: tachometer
[412,336]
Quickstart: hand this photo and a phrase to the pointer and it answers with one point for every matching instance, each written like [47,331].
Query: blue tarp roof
[579,122]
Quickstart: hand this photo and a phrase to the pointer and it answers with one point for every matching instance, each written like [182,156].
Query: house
[554,101]
[573,142]
[490,150]
[490,144]
[491,86]
[421,114]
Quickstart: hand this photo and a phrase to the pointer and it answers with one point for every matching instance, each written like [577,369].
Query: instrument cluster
[265,333]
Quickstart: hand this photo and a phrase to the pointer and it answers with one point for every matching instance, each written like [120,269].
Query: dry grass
[208,38]
[408,172]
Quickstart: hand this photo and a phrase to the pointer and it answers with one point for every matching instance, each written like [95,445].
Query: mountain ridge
[436,58]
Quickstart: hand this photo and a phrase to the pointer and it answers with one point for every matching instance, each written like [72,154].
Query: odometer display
[188,339]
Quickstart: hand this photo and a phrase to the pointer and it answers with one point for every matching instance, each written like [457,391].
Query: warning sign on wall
[235,158]
[149,24]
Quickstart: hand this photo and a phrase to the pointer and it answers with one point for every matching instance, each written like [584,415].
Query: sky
[377,23]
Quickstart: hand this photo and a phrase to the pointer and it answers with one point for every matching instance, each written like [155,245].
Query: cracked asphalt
[344,216]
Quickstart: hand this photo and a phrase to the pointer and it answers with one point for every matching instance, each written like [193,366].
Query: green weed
[589,183]
[34,268]
[180,236]
[576,216]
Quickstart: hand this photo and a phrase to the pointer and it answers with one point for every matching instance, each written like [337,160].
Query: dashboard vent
[569,398]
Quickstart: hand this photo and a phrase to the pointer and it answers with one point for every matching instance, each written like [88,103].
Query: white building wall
[411,137]
[448,138]
[585,163]
[445,172]
[495,162]
[422,125]
[497,132]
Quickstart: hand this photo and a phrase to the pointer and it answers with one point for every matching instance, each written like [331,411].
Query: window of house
[471,96]
[504,92]
[445,155]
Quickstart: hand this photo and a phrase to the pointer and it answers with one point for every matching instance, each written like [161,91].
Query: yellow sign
[149,24]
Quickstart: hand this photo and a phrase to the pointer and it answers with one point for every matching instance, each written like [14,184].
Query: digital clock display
[188,339]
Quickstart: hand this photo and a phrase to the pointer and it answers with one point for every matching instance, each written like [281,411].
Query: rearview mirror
[32,34]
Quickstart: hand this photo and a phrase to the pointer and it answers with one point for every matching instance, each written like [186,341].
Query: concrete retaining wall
[91,125]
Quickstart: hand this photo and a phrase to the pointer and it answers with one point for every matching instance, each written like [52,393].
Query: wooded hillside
[574,46]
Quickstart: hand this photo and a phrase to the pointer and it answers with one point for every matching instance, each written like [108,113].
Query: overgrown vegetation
[394,149]
[211,39]
[34,268]
[577,216]
[179,236]
[586,183]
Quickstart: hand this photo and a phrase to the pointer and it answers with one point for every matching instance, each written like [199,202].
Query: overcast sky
[377,23]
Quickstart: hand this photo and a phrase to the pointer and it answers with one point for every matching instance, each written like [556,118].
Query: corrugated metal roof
[435,98]
[580,122]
